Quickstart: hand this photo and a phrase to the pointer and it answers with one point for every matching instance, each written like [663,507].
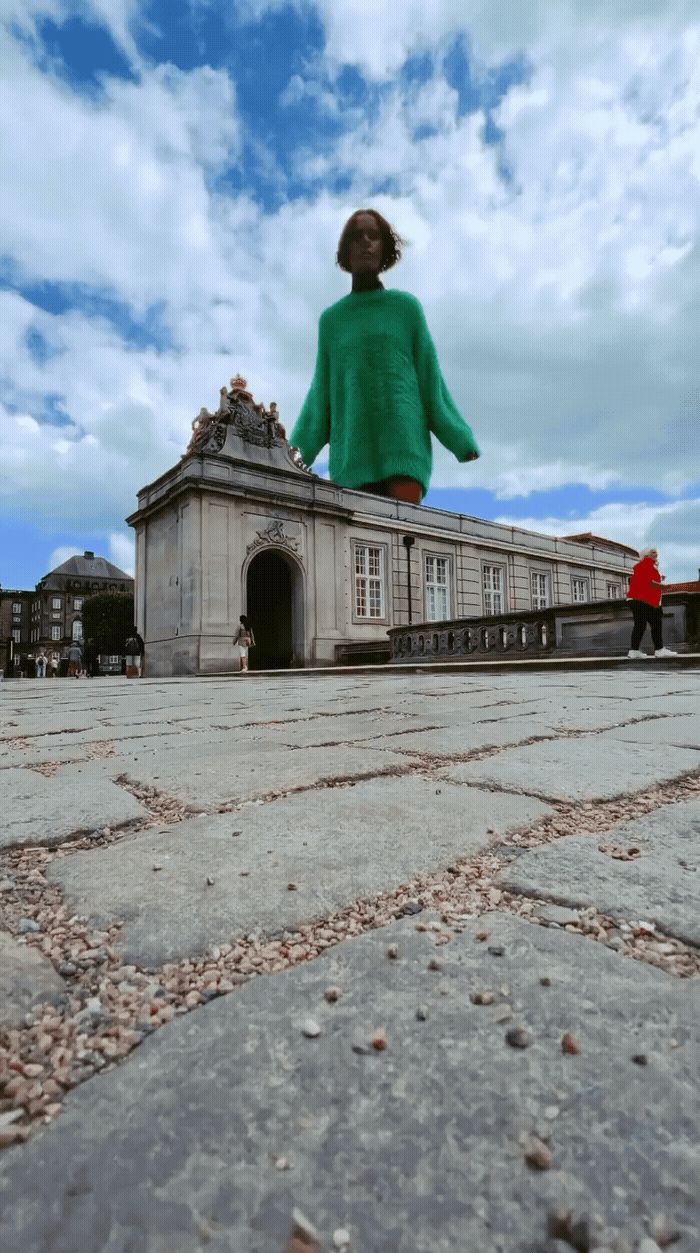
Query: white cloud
[673,528]
[122,551]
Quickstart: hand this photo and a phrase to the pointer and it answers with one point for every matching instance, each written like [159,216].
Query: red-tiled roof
[693,586]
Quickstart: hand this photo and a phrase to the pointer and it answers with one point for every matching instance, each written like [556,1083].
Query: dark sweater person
[378,392]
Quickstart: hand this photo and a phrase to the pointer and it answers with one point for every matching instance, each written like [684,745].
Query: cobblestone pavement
[390,963]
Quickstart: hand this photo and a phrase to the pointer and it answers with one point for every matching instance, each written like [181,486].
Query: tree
[108,619]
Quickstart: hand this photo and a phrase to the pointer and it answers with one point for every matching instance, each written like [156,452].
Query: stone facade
[51,617]
[240,525]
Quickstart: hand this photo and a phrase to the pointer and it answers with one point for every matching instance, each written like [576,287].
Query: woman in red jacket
[644,596]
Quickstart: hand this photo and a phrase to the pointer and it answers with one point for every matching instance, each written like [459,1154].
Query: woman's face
[365,251]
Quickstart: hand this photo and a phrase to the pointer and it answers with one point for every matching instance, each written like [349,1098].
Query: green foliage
[108,619]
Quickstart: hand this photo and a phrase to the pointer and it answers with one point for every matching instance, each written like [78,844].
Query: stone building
[240,525]
[51,617]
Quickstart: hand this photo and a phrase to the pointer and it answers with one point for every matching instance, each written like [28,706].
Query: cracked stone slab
[40,810]
[419,1145]
[588,767]
[335,845]
[233,770]
[662,885]
[679,731]
[27,978]
[466,735]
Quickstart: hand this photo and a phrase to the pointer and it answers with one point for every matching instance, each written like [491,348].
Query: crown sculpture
[251,421]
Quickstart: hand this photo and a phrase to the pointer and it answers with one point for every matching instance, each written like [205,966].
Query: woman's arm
[311,430]
[444,418]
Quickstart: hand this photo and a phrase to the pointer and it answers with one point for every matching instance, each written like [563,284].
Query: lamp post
[409,541]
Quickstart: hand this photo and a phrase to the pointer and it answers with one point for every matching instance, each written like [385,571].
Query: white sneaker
[635,655]
[665,652]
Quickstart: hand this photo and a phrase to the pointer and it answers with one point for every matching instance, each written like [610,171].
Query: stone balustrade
[597,627]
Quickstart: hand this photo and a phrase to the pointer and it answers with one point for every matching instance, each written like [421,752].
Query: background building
[50,617]
[241,526]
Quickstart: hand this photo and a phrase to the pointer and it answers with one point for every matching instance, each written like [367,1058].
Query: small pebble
[647,1245]
[482,935]
[663,1231]
[310,1028]
[436,964]
[518,1038]
[157,866]
[392,952]
[546,981]
[481,998]
[332,994]
[422,1013]
[379,1040]
[283,1163]
[496,950]
[210,881]
[569,1043]
[26,925]
[538,1154]
[291,887]
[640,1059]
[341,1238]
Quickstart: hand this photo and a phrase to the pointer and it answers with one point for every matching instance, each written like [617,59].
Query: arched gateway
[275,606]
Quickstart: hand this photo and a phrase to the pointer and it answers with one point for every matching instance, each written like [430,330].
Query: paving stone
[672,730]
[335,844]
[233,769]
[26,979]
[40,810]
[662,885]
[468,734]
[423,1141]
[581,768]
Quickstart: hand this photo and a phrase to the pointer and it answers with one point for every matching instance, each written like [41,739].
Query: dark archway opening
[269,607]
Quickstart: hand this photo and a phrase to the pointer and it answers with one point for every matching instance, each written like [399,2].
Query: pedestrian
[53,666]
[91,659]
[135,649]
[245,639]
[41,665]
[75,660]
[377,391]
[644,596]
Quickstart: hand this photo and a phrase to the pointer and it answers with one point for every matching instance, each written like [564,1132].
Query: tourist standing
[53,666]
[245,639]
[644,596]
[377,392]
[41,665]
[135,649]
[75,660]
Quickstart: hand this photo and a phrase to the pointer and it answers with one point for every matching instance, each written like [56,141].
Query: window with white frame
[539,589]
[613,590]
[77,629]
[437,588]
[55,632]
[493,585]
[369,581]
[580,590]
[77,603]
[16,606]
[16,635]
[56,602]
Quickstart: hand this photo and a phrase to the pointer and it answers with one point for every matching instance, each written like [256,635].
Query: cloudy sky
[175,177]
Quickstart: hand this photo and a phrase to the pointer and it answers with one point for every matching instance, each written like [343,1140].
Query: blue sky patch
[81,52]
[144,330]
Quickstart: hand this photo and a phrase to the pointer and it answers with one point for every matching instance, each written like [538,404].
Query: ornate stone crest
[251,421]
[274,534]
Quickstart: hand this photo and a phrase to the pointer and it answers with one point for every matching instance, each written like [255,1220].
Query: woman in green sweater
[377,392]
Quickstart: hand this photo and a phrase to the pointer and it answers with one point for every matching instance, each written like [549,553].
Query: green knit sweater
[377,393]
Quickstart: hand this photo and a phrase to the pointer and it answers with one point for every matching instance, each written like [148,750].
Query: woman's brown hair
[392,243]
